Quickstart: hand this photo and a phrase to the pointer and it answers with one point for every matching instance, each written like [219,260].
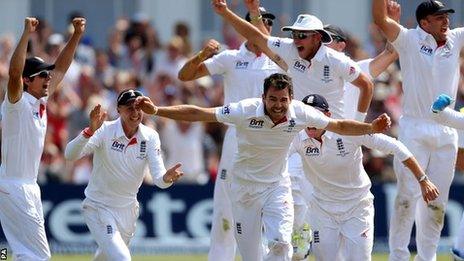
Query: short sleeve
[348,69]
[401,41]
[229,113]
[315,118]
[217,64]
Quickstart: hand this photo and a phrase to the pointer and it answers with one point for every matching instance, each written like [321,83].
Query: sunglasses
[268,21]
[302,35]
[42,74]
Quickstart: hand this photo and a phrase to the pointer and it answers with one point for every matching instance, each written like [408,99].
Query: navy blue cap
[317,101]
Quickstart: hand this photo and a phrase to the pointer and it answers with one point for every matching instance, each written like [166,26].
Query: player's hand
[145,104]
[381,124]
[30,24]
[97,117]
[252,5]
[429,190]
[394,10]
[211,48]
[441,103]
[219,6]
[173,174]
[79,25]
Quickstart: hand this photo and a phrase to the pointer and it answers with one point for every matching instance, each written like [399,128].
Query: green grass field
[376,257]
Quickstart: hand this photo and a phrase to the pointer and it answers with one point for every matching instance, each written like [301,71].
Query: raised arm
[381,62]
[247,30]
[66,56]
[18,59]
[177,112]
[351,127]
[366,88]
[255,15]
[194,68]
[390,27]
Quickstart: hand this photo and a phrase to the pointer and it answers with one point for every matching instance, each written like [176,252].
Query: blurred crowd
[135,58]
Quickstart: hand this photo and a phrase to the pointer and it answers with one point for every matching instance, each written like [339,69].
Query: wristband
[360,116]
[256,18]
[422,178]
[87,132]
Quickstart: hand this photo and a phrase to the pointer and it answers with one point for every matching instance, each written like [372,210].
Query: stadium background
[141,44]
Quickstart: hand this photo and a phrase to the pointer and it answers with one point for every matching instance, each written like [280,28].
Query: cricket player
[341,209]
[244,71]
[314,67]
[429,59]
[260,183]
[122,150]
[454,119]
[24,123]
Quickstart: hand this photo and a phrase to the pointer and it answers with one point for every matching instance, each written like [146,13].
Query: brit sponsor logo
[239,228]
[326,74]
[427,50]
[109,229]
[299,66]
[316,236]
[256,124]
[276,43]
[117,146]
[223,175]
[241,65]
[310,151]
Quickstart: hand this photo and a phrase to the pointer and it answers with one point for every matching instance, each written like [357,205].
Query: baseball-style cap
[263,12]
[306,22]
[125,97]
[317,101]
[336,33]
[430,8]
[34,65]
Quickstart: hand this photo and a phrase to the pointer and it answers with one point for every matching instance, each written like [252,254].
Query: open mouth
[300,48]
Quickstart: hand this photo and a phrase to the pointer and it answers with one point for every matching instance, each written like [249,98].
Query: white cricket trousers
[257,205]
[22,219]
[301,190]
[112,228]
[435,148]
[348,236]
[223,245]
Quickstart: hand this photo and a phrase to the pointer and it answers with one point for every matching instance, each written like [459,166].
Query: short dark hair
[279,81]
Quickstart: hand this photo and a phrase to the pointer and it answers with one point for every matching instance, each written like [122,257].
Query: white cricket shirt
[263,146]
[450,118]
[351,95]
[334,167]
[119,163]
[23,137]
[325,74]
[427,70]
[243,72]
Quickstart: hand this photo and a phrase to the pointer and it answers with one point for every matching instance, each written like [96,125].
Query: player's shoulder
[336,56]
[148,132]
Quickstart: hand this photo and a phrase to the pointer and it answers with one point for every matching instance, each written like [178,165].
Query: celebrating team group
[291,178]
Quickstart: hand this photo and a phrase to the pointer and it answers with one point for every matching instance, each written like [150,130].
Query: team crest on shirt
[446,51]
[310,151]
[326,74]
[226,109]
[427,50]
[291,125]
[118,146]
[341,148]
[241,65]
[143,150]
[256,124]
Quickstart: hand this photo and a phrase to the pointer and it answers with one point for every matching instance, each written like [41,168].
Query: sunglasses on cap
[302,35]
[268,21]
[42,74]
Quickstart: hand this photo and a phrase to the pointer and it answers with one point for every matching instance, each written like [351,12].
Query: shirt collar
[423,34]
[33,100]
[304,136]
[140,135]
[243,49]
[321,53]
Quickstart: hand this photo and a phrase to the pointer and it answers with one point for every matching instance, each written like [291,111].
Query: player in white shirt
[429,59]
[260,183]
[341,209]
[454,119]
[122,150]
[314,67]
[244,71]
[24,125]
